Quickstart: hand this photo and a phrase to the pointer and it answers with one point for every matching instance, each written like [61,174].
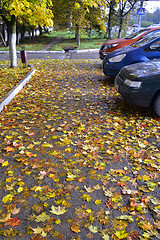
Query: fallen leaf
[14,222]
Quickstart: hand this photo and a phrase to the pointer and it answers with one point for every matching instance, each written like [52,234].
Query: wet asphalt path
[50,55]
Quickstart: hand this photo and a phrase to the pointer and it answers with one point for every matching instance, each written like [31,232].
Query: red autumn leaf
[80,180]
[35,160]
[14,222]
[37,237]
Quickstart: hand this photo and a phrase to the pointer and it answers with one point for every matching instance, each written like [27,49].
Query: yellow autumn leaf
[146,178]
[5,218]
[37,230]
[121,234]
[145,225]
[20,189]
[42,217]
[126,218]
[151,185]
[86,197]
[88,210]
[47,145]
[58,221]
[58,210]
[51,195]
[8,198]
[93,229]
[5,163]
[29,154]
[98,201]
[75,229]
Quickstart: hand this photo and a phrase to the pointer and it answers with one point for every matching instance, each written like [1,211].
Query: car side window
[153,47]
[152,33]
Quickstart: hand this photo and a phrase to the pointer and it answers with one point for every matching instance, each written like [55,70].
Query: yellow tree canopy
[36,12]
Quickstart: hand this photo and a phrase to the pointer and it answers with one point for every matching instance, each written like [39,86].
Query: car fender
[137,59]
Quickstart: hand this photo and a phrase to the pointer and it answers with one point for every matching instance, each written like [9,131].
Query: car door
[152,51]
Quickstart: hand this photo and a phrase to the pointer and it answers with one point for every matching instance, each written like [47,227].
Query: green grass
[85,44]
[39,42]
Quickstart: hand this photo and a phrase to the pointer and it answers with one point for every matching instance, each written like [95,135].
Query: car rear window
[144,40]
[137,34]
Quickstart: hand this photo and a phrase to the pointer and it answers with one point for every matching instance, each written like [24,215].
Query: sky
[151,6]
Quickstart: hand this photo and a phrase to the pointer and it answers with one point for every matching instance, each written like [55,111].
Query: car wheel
[156,105]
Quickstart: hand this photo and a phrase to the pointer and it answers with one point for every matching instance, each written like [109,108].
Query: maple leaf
[75,229]
[14,222]
[37,230]
[47,145]
[145,225]
[5,163]
[86,197]
[121,234]
[15,211]
[40,231]
[93,229]
[42,174]
[8,198]
[57,221]
[5,218]
[98,201]
[9,149]
[105,236]
[29,154]
[89,189]
[58,210]
[42,217]
[126,218]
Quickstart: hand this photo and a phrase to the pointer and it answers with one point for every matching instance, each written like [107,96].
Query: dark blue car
[145,49]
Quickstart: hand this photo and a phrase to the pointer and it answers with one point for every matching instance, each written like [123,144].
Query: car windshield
[137,34]
[144,40]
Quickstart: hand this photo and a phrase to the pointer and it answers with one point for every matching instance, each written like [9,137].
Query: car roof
[127,49]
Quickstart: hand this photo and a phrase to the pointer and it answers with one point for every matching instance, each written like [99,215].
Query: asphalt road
[53,55]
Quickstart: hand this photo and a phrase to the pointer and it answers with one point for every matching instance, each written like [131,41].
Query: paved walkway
[76,162]
[55,41]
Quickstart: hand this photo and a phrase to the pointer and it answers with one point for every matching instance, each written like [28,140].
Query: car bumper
[136,96]
[109,71]
[102,55]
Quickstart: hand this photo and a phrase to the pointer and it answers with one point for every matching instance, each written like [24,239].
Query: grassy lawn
[85,44]
[39,42]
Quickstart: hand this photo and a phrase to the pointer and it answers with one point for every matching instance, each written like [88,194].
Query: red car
[114,44]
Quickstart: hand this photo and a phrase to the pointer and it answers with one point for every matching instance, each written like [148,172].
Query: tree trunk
[109,29]
[7,43]
[40,30]
[33,33]
[12,42]
[120,25]
[77,36]
[3,32]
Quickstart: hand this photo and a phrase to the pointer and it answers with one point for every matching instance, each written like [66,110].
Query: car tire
[156,105]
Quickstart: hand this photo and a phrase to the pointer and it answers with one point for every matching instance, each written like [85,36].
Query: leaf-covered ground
[76,161]
[9,78]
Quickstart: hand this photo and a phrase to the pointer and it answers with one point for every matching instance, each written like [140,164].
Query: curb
[56,52]
[15,90]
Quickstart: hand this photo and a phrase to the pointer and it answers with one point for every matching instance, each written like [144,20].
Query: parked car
[114,44]
[139,84]
[143,50]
